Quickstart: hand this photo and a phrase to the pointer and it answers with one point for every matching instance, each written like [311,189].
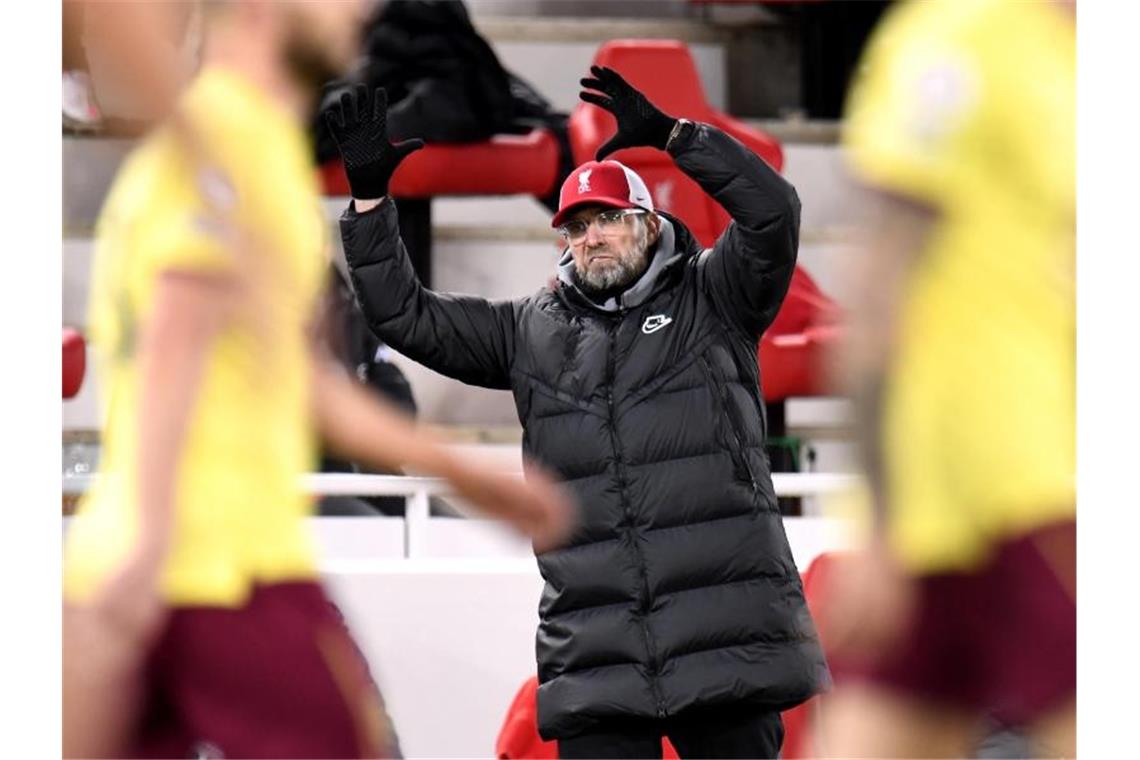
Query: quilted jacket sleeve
[464,337]
[748,270]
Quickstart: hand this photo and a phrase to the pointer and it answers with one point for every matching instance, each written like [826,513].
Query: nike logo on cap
[655,323]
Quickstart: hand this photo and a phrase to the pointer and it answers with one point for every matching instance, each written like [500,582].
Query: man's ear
[654,224]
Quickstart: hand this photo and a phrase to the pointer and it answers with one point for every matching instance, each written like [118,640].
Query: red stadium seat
[794,352]
[799,739]
[518,738]
[504,165]
[74,362]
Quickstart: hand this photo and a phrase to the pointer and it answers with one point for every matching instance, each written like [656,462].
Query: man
[676,608]
[962,366]
[190,583]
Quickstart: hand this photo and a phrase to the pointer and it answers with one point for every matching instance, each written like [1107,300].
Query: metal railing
[418,491]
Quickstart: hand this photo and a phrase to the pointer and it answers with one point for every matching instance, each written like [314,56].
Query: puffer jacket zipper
[623,485]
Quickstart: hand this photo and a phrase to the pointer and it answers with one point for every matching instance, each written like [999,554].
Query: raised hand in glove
[639,122]
[359,126]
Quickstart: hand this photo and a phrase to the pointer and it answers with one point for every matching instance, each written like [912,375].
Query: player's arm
[108,640]
[187,312]
[470,339]
[896,230]
[870,597]
[357,425]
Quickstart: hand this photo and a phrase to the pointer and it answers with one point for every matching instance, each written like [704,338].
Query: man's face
[614,252]
[322,38]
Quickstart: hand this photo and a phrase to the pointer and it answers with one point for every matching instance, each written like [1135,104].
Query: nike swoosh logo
[655,323]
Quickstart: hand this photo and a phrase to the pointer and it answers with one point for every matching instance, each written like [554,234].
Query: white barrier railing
[418,490]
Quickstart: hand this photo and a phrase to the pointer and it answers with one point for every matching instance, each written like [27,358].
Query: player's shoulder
[941,29]
[927,63]
[161,175]
[209,151]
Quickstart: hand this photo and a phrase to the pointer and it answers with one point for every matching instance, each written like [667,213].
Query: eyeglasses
[609,223]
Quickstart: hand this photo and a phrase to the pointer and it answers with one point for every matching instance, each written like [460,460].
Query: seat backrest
[799,722]
[804,306]
[662,69]
[665,72]
[674,192]
[74,362]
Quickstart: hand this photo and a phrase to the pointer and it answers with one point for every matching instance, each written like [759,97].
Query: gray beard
[621,273]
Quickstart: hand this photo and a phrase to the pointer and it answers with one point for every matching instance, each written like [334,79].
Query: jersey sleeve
[197,232]
[914,113]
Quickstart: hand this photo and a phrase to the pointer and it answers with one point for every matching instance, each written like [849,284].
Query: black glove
[359,127]
[639,122]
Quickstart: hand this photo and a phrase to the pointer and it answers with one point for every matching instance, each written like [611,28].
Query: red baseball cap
[609,183]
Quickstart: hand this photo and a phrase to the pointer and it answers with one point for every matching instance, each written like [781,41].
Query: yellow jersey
[968,106]
[227,186]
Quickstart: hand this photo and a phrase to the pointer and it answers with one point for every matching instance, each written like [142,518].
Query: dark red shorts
[1001,641]
[279,677]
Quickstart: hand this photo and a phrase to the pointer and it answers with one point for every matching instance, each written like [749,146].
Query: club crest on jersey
[584,181]
[655,323]
[216,188]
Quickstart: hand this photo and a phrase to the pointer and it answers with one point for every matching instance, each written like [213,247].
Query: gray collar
[663,254]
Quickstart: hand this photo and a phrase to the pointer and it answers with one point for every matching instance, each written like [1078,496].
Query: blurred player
[962,129]
[195,624]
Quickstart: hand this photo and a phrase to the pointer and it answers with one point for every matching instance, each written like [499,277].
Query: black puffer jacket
[678,589]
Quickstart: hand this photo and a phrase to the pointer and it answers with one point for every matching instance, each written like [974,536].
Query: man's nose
[593,234]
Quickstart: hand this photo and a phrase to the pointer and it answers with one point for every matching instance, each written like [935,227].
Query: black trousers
[724,733]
